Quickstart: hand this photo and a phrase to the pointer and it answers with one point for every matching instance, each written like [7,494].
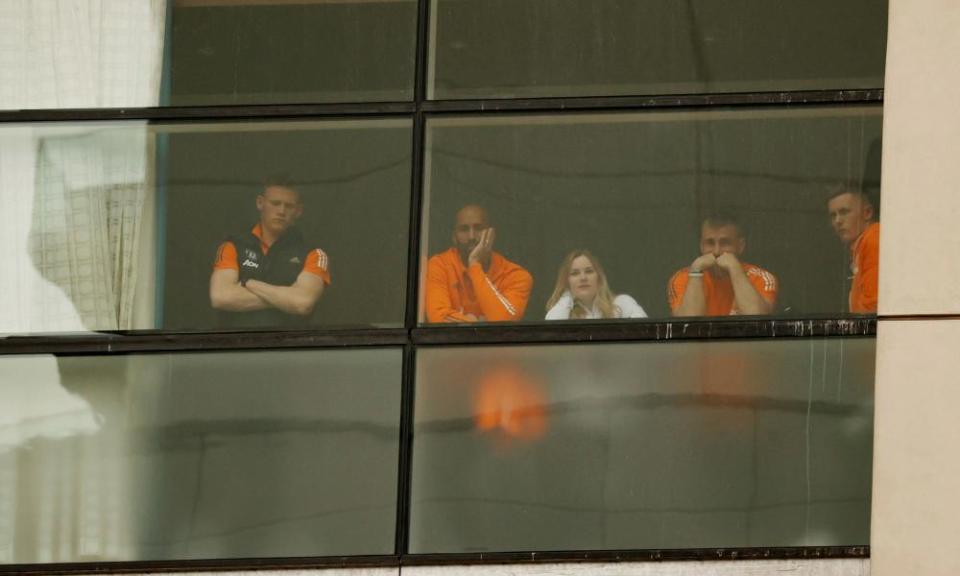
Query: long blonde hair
[604,299]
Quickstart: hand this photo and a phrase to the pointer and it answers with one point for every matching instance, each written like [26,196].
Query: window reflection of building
[641,445]
[59,469]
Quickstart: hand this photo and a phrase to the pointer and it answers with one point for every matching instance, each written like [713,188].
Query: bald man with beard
[470,282]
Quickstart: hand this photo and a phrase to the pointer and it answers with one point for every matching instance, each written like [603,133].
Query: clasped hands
[727,261]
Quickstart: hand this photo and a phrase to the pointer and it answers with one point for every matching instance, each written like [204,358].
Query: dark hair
[718,219]
[850,188]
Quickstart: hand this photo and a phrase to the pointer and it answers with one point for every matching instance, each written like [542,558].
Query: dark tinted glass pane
[625,446]
[243,52]
[634,190]
[353,178]
[119,226]
[226,455]
[531,48]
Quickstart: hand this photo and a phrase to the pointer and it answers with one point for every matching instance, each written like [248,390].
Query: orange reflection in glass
[510,401]
[725,373]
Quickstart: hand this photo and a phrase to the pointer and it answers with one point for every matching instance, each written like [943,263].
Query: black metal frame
[492,558]
[483,106]
[119,342]
[411,336]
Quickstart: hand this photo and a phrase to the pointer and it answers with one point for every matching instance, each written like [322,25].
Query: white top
[623,307]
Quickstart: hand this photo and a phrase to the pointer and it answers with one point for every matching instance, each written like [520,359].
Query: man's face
[718,240]
[849,216]
[279,209]
[471,221]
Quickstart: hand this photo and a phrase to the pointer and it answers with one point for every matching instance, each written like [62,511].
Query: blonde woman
[582,292]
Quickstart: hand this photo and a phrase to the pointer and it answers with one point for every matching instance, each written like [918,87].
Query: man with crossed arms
[268,276]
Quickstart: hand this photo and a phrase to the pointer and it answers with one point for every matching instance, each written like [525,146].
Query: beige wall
[920,212]
[916,507]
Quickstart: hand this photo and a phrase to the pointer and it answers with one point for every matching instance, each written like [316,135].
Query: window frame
[413,336]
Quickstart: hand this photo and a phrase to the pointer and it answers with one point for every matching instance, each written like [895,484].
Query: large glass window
[638,446]
[133,53]
[536,48]
[628,203]
[353,183]
[242,52]
[132,226]
[354,282]
[209,455]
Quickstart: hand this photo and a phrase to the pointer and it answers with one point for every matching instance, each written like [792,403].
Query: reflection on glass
[242,52]
[537,48]
[627,446]
[258,225]
[226,455]
[706,213]
[53,445]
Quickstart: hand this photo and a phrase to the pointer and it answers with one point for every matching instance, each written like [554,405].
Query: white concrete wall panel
[915,527]
[920,200]
[916,463]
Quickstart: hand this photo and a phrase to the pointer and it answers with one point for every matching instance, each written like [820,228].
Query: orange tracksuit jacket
[453,290]
[865,265]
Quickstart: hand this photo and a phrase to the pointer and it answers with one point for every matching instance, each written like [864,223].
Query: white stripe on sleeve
[501,297]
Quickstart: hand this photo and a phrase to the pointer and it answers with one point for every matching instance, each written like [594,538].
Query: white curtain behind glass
[87,216]
[78,54]
[82,188]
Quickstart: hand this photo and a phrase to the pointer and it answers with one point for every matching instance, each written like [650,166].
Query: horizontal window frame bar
[108,343]
[587,103]
[211,113]
[487,105]
[656,331]
[239,564]
[448,559]
[650,555]
[575,332]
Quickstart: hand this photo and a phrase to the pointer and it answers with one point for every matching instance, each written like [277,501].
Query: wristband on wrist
[695,273]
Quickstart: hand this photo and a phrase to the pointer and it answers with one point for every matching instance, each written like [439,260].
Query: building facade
[150,422]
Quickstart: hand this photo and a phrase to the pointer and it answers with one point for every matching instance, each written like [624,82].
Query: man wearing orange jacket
[854,219]
[717,283]
[472,283]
